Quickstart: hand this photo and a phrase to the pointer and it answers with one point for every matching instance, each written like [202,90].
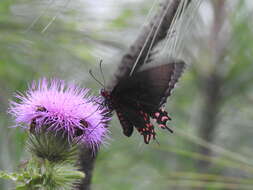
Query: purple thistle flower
[55,106]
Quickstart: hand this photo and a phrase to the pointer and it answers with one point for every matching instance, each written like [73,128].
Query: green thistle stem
[52,166]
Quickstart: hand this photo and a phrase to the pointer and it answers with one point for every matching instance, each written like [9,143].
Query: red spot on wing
[164,118]
[161,117]
[147,130]
[157,114]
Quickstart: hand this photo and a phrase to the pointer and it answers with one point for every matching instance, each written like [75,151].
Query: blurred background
[211,108]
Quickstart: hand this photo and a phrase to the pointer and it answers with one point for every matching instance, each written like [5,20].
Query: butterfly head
[104,93]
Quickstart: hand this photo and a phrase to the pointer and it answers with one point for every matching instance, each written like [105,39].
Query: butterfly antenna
[101,70]
[90,71]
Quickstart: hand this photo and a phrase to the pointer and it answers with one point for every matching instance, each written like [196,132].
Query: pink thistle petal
[62,107]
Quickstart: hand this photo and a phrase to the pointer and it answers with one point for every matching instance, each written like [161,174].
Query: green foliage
[52,166]
[121,20]
[39,174]
[74,43]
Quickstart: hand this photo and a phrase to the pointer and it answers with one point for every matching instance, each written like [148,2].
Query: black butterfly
[139,97]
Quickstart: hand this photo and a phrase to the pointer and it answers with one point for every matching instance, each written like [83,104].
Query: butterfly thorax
[109,102]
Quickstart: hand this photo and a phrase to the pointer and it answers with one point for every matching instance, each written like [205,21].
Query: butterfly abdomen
[126,124]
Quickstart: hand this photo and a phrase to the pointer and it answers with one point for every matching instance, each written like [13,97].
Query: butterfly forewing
[149,88]
[177,72]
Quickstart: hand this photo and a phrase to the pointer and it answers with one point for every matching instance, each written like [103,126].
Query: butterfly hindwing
[139,97]
[130,117]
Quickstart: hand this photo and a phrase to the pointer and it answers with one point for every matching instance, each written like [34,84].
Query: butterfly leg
[161,117]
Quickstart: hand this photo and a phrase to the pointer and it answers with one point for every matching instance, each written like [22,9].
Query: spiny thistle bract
[60,108]
[51,147]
